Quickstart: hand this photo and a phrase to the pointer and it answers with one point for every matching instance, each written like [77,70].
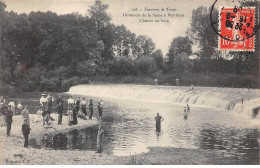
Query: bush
[145,65]
[122,66]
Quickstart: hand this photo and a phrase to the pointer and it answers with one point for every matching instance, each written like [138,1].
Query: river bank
[13,152]
[130,119]
[14,142]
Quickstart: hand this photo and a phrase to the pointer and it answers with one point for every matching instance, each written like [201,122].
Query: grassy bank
[185,79]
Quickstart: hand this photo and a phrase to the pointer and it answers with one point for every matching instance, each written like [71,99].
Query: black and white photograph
[129,82]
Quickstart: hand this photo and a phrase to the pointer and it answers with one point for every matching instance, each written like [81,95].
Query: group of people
[78,108]
[7,111]
[159,119]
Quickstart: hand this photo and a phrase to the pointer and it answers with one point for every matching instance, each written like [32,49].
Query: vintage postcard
[129,82]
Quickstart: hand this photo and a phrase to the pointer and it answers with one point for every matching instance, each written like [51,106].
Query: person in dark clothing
[75,113]
[26,131]
[49,103]
[158,120]
[9,120]
[90,106]
[59,101]
[60,112]
[100,109]
[77,103]
[3,111]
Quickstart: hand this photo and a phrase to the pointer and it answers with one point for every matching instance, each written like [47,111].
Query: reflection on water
[130,128]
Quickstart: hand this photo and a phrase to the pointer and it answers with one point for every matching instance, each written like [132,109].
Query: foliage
[43,51]
[179,45]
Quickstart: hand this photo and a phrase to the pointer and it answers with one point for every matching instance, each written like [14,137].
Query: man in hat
[49,103]
[59,100]
[90,106]
[26,131]
[43,101]
[9,120]
[59,109]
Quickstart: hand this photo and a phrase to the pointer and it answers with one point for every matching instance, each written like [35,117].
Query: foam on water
[220,98]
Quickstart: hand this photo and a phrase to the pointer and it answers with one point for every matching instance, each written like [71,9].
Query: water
[130,129]
[234,99]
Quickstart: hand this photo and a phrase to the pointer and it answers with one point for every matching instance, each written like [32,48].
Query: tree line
[43,51]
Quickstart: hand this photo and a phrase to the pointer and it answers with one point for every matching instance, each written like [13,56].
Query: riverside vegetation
[43,51]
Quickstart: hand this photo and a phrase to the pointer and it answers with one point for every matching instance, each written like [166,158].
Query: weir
[238,100]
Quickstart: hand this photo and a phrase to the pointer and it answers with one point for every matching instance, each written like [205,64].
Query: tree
[98,14]
[158,59]
[182,63]
[145,65]
[144,46]
[202,33]
[124,42]
[179,46]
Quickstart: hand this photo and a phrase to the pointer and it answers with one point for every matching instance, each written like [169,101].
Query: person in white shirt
[19,108]
[70,102]
[83,105]
[12,105]
[43,101]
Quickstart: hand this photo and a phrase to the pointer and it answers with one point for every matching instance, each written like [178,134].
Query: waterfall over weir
[234,99]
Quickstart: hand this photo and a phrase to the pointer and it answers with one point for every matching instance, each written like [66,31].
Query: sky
[161,33]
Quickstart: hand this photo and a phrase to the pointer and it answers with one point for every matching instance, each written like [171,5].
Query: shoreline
[13,153]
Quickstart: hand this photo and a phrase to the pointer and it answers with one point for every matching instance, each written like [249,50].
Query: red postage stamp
[237,28]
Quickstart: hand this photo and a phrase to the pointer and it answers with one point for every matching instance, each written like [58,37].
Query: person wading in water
[158,120]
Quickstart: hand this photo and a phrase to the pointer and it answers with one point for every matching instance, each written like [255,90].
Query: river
[129,124]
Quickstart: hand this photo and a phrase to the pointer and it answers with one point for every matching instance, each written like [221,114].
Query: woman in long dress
[70,116]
